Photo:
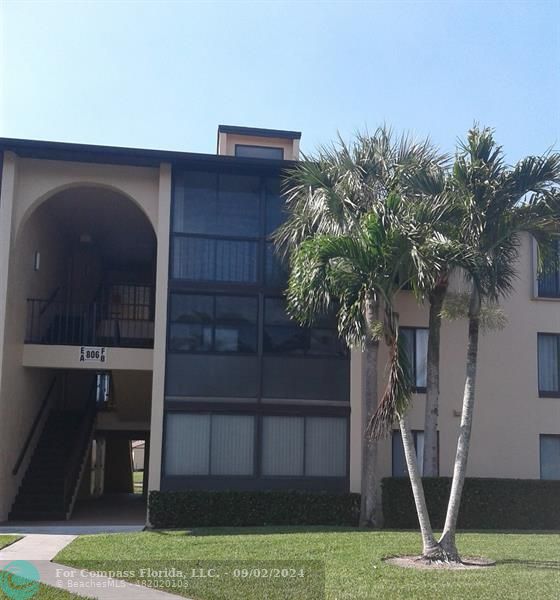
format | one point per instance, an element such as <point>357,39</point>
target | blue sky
<point>165,74</point>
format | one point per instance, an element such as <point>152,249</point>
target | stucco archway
<point>76,187</point>
<point>83,273</point>
<point>76,246</point>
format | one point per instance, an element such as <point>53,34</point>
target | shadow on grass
<point>267,530</point>
<point>484,531</point>
<point>513,531</point>
<point>287,529</point>
<point>547,565</point>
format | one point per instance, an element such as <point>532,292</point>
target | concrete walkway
<point>64,528</point>
<point>40,549</point>
<point>36,547</point>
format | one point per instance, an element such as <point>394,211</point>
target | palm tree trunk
<point>369,506</point>
<point>369,516</point>
<point>430,547</point>
<point>430,458</point>
<point>447,540</point>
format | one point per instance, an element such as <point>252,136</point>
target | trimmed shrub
<point>236,509</point>
<point>486,503</point>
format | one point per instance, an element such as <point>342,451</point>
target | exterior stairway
<point>49,487</point>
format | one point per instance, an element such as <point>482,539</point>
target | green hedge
<point>233,509</point>
<point>486,503</point>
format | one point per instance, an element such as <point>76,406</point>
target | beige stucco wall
<point>68,357</point>
<point>22,390</point>
<point>133,395</point>
<point>26,184</point>
<point>227,142</point>
<point>509,415</point>
<point>38,180</point>
<point>160,336</point>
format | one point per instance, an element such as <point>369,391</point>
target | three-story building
<point>141,299</point>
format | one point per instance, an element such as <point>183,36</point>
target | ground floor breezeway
<point>82,453</point>
<point>107,514</point>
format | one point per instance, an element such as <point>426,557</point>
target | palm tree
<point>368,265</point>
<point>430,186</point>
<point>498,203</point>
<point>328,194</point>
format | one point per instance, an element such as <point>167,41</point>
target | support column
<point>7,193</point>
<point>160,327</point>
<point>6,216</point>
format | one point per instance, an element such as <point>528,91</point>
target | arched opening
<point>83,275</point>
<point>92,270</point>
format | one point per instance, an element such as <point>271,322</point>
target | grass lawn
<point>6,540</point>
<point>49,593</point>
<point>138,479</point>
<point>528,563</point>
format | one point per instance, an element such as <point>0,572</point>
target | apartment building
<point>141,299</point>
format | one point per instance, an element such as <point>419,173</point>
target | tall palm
<point>328,194</point>
<point>498,203</point>
<point>372,263</point>
<point>432,185</point>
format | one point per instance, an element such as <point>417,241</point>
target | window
<point>204,259</point>
<point>204,444</point>
<point>284,336</point>
<point>282,452</point>
<point>221,205</point>
<point>216,222</point>
<point>399,460</point>
<point>211,444</point>
<point>548,282</point>
<point>548,364</point>
<point>276,273</point>
<point>247,151</point>
<point>416,344</point>
<point>325,447</point>
<point>275,208</point>
<point>550,456</point>
<point>275,270</point>
<point>304,446</point>
<point>204,323</point>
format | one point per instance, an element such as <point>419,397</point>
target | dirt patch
<point>418,562</point>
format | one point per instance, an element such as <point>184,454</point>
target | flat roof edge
<point>74,152</point>
<point>259,132</point>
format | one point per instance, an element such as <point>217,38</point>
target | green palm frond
<point>398,391</point>
<point>367,218</point>
<point>499,203</point>
<point>492,315</point>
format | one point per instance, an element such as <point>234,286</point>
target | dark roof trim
<point>127,156</point>
<point>257,132</point>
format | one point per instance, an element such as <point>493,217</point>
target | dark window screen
<point>248,151</point>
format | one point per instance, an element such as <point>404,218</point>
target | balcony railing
<point>93,324</point>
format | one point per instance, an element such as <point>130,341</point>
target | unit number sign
<point>93,353</point>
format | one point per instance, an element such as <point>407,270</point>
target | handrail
<point>75,460</point>
<point>89,324</point>
<point>33,428</point>
<point>49,301</point>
